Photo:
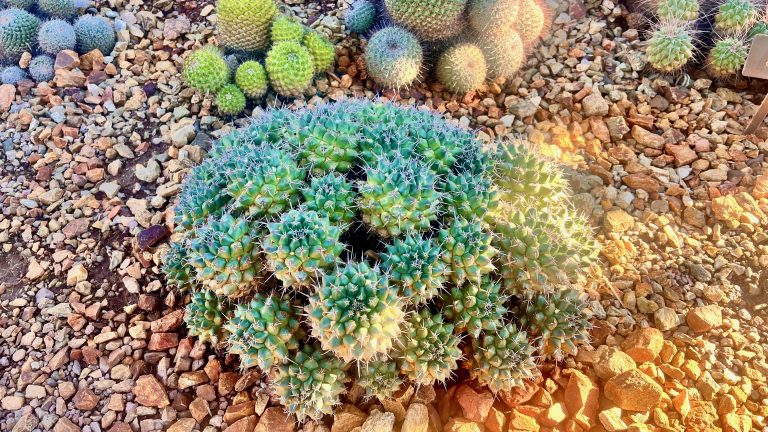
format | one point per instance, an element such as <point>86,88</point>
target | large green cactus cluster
<point>478,39</point>
<point>261,48</point>
<point>363,240</point>
<point>676,37</point>
<point>43,28</point>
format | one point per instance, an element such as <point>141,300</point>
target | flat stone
<point>644,344</point>
<point>85,399</point>
<point>347,417</point>
<point>163,341</point>
<point>647,138</point>
<point>148,391</point>
<point>705,318</point>
<point>642,181</point>
<point>238,411</point>
<point>12,403</point>
<point>611,420</point>
<point>519,422</point>
<point>475,406</point>
<point>379,422</point>
<point>610,361</point>
<point>633,391</point>
<point>183,425</point>
<point>169,322</point>
<point>416,418</point>
<point>247,424</point>
<point>151,236</point>
<point>199,409</point>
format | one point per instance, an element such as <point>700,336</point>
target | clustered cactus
<point>260,48</point>
<point>44,28</point>
<point>675,38</point>
<point>367,241</point>
<point>478,39</point>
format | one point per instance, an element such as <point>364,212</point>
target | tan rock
<point>611,420</point>
<point>247,424</point>
<point>459,424</point>
<point>644,344</point>
<point>705,318</point>
<point>618,221</point>
<point>69,78</point>
<point>85,399</point>
<point>275,419</point>
<point>199,409</point>
<point>760,190</point>
<point>610,361</point>
<point>7,95</point>
<point>642,181</point>
<point>495,421</point>
<point>239,410</point>
<point>647,138</point>
<point>733,422</point>
<point>519,422</point>
<point>379,422</point>
<point>633,391</point>
<point>65,425</point>
<point>191,379</point>
<point>554,415</point>
<point>682,404</point>
<point>148,391</point>
<point>726,208</point>
<point>183,425</point>
<point>416,418</point>
<point>582,398</point>
<point>347,417</point>
<point>474,405</point>
<point>67,59</point>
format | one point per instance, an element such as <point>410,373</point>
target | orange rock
<point>275,419</point>
<point>495,421</point>
<point>148,391</point>
<point>519,422</point>
<point>459,424</point>
<point>644,344</point>
<point>474,405</point>
<point>554,415</point>
<point>247,424</point>
<point>582,396</point>
<point>633,391</point>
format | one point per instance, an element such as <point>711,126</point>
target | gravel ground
<point>91,339</point>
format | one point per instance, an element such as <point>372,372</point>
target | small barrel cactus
<point>264,331</point>
<point>244,24</point>
<point>558,318</point>
<point>94,32</point>
<point>20,4</point>
<point>494,19</point>
<point>380,379</point>
<point>735,16</point>
<point>532,21</point>
<point>360,17</point>
<point>56,35</point>
<point>670,46</point>
<point>230,100</point>
<point>394,57</point>
<point>18,32</point>
<point>321,49</point>
<point>325,144</point>
<point>503,56</point>
<point>678,9</point>
<point>727,57</point>
<point>300,246</point>
<point>398,196</point>
<point>462,68</point>
<point>251,78</point>
<point>476,306</point>
<point>63,9</point>
<point>285,28</point>
<point>503,359</point>
<point>414,266</point>
<point>310,385</point>
<point>290,68</point>
<point>206,70</point>
<point>205,315</point>
<point>331,196</point>
<point>355,313</point>
<point>466,250</point>
<point>428,351</point>
<point>178,271</point>
<point>429,19</point>
<point>226,256</point>
<point>41,68</point>
<point>12,75</point>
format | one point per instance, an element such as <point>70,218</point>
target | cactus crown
<point>678,9</point>
<point>670,46</point>
<point>394,57</point>
<point>360,17</point>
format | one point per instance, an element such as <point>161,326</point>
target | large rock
<point>85,399</point>
<point>594,105</point>
<point>633,391</point>
<point>347,417</point>
<point>474,405</point>
<point>618,221</point>
<point>247,424</point>
<point>459,424</point>
<point>275,419</point>
<point>148,391</point>
<point>610,362</point>
<point>379,422</point>
<point>647,138</point>
<point>705,318</point>
<point>416,418</point>
<point>582,399</point>
<point>644,344</point>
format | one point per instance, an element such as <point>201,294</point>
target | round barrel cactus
<point>394,57</point>
<point>429,19</point>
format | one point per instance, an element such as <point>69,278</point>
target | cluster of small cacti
<point>363,240</point>
<point>475,39</point>
<point>44,28</point>
<point>291,55</point>
<point>678,35</point>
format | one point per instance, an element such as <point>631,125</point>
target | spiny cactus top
<point>429,19</point>
<point>378,241</point>
<point>244,24</point>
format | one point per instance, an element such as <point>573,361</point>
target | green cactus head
<point>251,78</point>
<point>461,68</point>
<point>301,246</point>
<point>56,35</point>
<point>321,49</point>
<point>176,267</point>
<point>244,24</point>
<point>63,9</point>
<point>202,194</point>
<point>428,19</point>
<point>414,266</point>
<point>360,16</point>
<point>559,319</point>
<point>205,316</point>
<point>230,100</point>
<point>735,16</point>
<point>394,57</point>
<point>670,46</point>
<point>94,32</point>
<point>476,306</point>
<point>285,28</point>
<point>503,359</point>
<point>206,70</point>
<point>309,385</point>
<point>380,379</point>
<point>494,19</point>
<point>355,313</point>
<point>727,57</point>
<point>525,178</point>
<point>469,195</point>
<point>18,32</point>
<point>428,351</point>
<point>687,10</point>
<point>290,68</point>
<point>467,250</point>
<point>264,331</point>
<point>331,196</point>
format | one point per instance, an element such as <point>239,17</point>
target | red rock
<point>65,425</point>
<point>199,409</point>
<point>148,302</point>
<point>495,421</point>
<point>75,227</point>
<point>227,382</point>
<point>705,318</point>
<point>67,59</point>
<point>582,399</point>
<point>120,427</point>
<point>644,344</point>
<point>182,425</point>
<point>247,424</point>
<point>69,78</point>
<point>682,153</point>
<point>239,411</point>
<point>275,419</point>
<point>169,322</point>
<point>91,355</point>
<point>163,341</point>
<point>213,370</point>
<point>85,399</point>
<point>148,391</point>
<point>7,95</point>
<point>191,379</point>
<point>519,396</point>
<point>458,424</point>
<point>647,138</point>
<point>642,181</point>
<point>475,406</point>
<point>149,237</point>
